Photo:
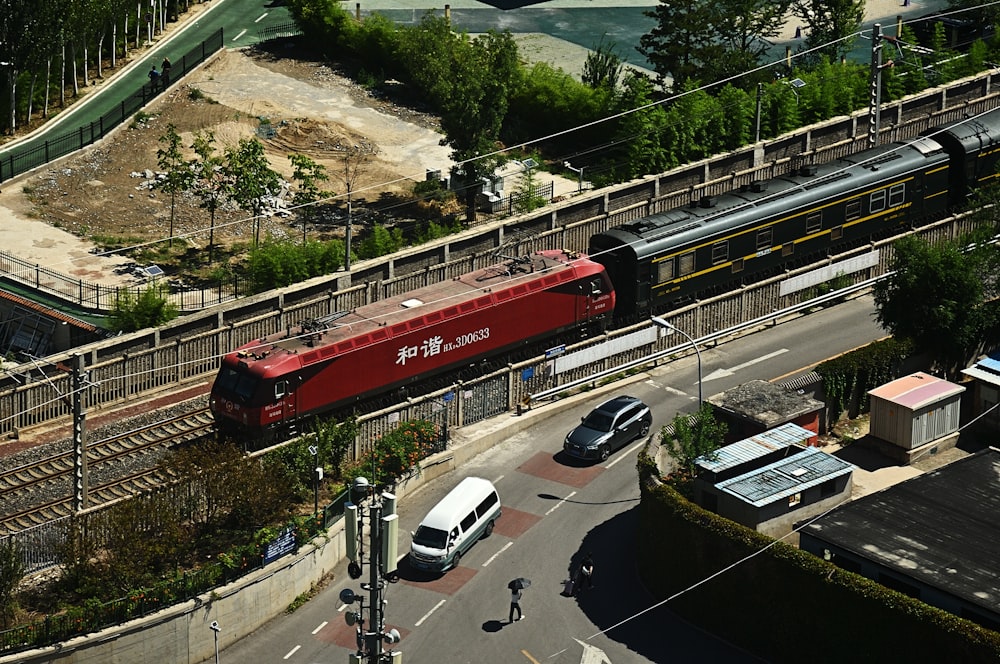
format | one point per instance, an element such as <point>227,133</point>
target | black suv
<point>608,427</point>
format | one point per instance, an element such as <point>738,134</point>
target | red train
<point>270,384</point>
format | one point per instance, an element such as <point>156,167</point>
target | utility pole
<point>875,86</point>
<point>383,524</point>
<point>80,475</point>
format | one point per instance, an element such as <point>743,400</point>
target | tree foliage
<point>935,295</point>
<point>830,25</point>
<point>693,436</point>
<point>138,311</point>
<point>250,180</point>
<point>179,175</point>
<point>279,263</point>
<point>12,571</point>
<point>210,180</point>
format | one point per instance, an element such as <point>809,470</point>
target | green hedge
<point>784,604</point>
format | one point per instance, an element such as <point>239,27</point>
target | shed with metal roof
<point>915,410</point>
<point>773,498</point>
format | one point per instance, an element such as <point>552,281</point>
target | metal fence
<point>23,160</point>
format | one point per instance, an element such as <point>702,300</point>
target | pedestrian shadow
<point>493,626</point>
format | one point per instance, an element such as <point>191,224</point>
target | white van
<point>462,517</point>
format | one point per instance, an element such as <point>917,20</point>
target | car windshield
<point>598,420</point>
<point>430,537</point>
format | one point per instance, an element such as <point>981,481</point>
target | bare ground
<point>103,191</point>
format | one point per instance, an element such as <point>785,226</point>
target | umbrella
<point>520,583</point>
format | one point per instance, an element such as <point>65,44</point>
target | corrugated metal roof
<point>985,376</point>
<point>748,449</point>
<point>786,477</point>
<point>917,390</point>
<point>991,363</point>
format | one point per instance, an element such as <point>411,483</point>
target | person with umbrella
<point>516,587</point>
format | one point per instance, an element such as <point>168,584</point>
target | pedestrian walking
<point>516,587</point>
<point>585,577</point>
<point>154,78</point>
<point>165,71</point>
<point>515,604</point>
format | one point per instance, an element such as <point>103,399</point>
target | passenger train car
<point>270,384</point>
<point>719,243</point>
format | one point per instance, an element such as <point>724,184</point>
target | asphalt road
<point>556,510</point>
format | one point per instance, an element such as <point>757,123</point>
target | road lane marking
<point>556,506</point>
<point>722,373</point>
<point>625,455</point>
<point>321,626</point>
<point>428,614</point>
<point>497,480</point>
<point>342,607</point>
<point>494,556</point>
<point>239,35</point>
<point>291,652</point>
<point>261,17</point>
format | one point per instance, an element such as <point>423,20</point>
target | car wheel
<point>644,428</point>
<point>489,529</point>
<point>605,452</point>
<point>456,561</point>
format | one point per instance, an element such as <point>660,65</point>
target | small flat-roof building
<point>771,499</point>
<point>915,412</point>
<point>756,406</point>
<point>935,537</point>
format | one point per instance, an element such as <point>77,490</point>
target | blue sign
<point>448,396</point>
<point>285,543</point>
<point>553,352</point>
<point>526,374</point>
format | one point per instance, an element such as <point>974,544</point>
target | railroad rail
<point>120,465</point>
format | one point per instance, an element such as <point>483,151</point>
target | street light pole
<point>579,173</point>
<point>660,322</point>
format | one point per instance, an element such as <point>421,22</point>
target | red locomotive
<point>271,383</point>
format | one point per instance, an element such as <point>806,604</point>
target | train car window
<point>877,201</point>
<point>814,222</point>
<point>788,249</point>
<point>897,194</point>
<point>665,270</point>
<point>738,265</point>
<point>280,389</point>
<point>853,210</point>
<point>595,288</point>
<point>686,263</point>
<point>764,239</point>
<point>720,252</point>
<point>837,233</point>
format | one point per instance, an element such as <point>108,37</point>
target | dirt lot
<point>104,191</point>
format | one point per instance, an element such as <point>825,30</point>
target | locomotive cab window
<point>665,270</point>
<point>853,210</point>
<point>280,389</point>
<point>596,288</point>
<point>720,252</point>
<point>814,222</point>
<point>876,203</point>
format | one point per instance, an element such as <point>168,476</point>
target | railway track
<point>118,466</point>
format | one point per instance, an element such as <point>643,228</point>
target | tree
<point>694,436</point>
<point>308,174</point>
<point>830,25</point>
<point>150,308</point>
<point>12,570</point>
<point>210,180</point>
<point>180,177</point>
<point>356,159</point>
<point>709,40</point>
<point>935,296</point>
<point>641,134</point>
<point>603,66</point>
<point>250,179</point>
